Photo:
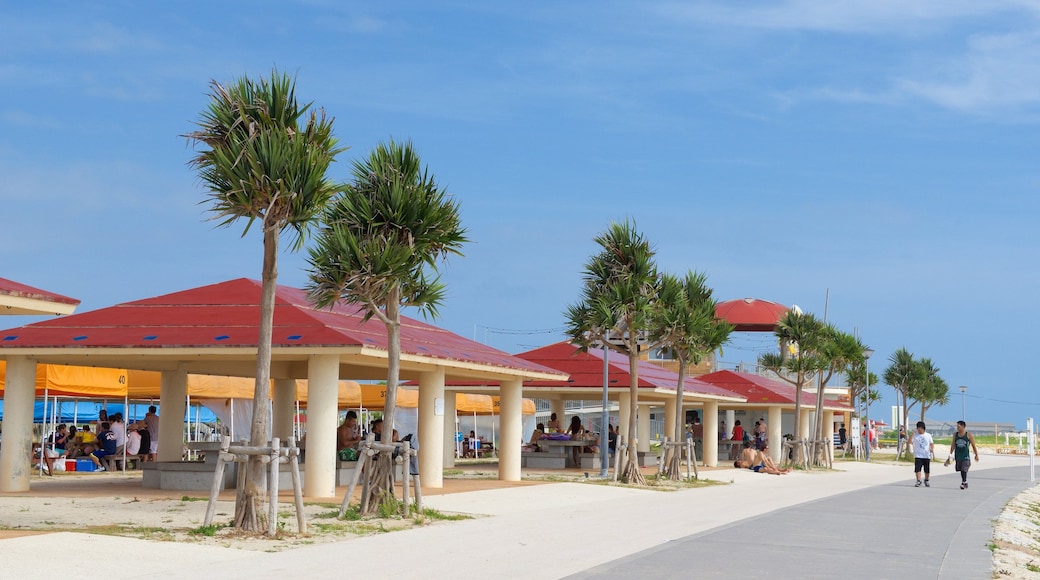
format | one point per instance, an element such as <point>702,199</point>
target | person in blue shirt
<point>106,445</point>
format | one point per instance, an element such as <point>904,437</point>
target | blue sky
<point>885,153</point>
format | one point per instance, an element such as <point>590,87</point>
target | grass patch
<point>208,530</point>
<point>433,514</point>
<point>189,498</point>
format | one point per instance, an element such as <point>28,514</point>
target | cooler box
<point>84,465</point>
<point>70,465</point>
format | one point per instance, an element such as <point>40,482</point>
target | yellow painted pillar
<point>449,429</point>
<point>19,399</point>
<point>322,417</point>
<point>710,420</point>
<point>431,427</point>
<point>173,391</point>
<point>283,401</point>
<point>511,396</point>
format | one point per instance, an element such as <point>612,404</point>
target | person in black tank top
<point>959,452</point>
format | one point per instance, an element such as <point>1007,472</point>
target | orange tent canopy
<point>76,381</point>
<point>62,380</point>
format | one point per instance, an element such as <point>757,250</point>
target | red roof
<point>228,314</point>
<point>12,288</point>
<point>586,371</point>
<point>750,314</point>
<point>759,389</point>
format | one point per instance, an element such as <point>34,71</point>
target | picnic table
<point>564,446</point>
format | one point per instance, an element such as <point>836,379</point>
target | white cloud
<point>998,72</point>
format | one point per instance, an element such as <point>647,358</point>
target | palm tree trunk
<point>381,484</point>
<point>631,473</point>
<point>797,415</point>
<point>672,467</point>
<point>249,508</point>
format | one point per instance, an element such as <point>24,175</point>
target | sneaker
<point>964,485</point>
<point>102,468</point>
<point>926,484</point>
<point>918,484</point>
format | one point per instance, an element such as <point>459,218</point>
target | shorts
<point>922,462</point>
<point>962,465</point>
<point>758,468</point>
<point>100,453</point>
<point>153,447</point>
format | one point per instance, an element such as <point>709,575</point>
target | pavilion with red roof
<point>751,314</point>
<point>213,330</point>
<point>585,383</point>
<point>19,299</point>
<point>772,397</point>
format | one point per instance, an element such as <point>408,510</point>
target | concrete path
<point>888,531</point>
<point>552,531</point>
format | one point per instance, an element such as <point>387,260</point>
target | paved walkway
<point>556,530</point>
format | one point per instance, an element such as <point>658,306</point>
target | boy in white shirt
<point>924,448</point>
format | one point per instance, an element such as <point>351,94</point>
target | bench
<point>589,460</point>
<point>545,460</point>
<point>115,462</point>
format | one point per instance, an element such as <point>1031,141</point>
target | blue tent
<point>87,411</point>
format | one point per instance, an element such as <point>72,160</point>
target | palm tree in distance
<point>616,308</point>
<point>264,159</point>
<point>379,242</point>
<point>804,335</point>
<point>686,321</point>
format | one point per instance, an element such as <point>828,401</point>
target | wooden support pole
<point>272,488</point>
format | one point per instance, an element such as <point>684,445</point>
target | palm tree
<point>616,308</point>
<point>929,389</point>
<point>686,321</point>
<point>378,245</point>
<point>804,334</point>
<point>902,372</point>
<point>839,352</point>
<point>265,159</point>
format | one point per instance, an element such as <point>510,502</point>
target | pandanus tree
<point>379,246</point>
<point>264,158</point>
<point>839,353</point>
<point>619,293</point>
<point>801,336</point>
<point>686,323</point>
<point>902,373</point>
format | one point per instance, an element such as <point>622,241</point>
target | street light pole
<point>963,389</point>
<point>866,371</point>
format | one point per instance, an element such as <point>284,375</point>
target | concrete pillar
<point>776,432</point>
<point>431,427</point>
<point>806,423</point>
<point>710,420</point>
<point>731,416</point>
<point>283,400</point>
<point>19,399</point>
<point>512,406</point>
<point>624,415</point>
<point>643,428</point>
<point>559,406</point>
<point>669,419</point>
<point>322,416</point>
<point>173,391</point>
<point>449,429</point>
<point>828,425</point>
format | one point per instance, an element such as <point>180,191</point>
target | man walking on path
<point>924,448</point>
<point>959,452</point>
